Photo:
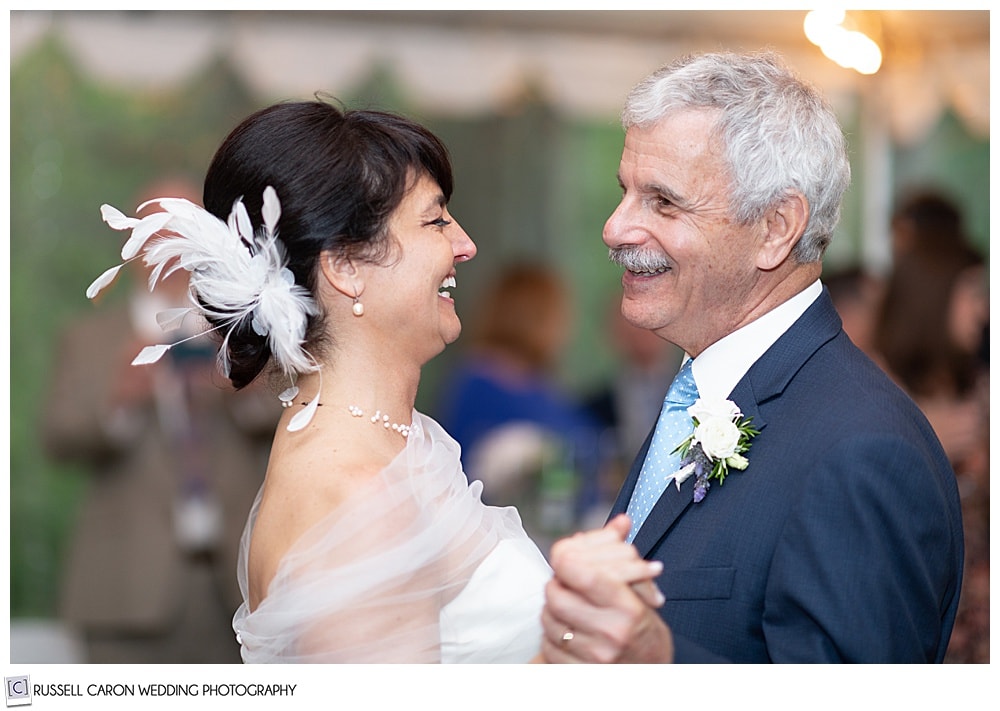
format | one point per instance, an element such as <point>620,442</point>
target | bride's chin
<point>450,334</point>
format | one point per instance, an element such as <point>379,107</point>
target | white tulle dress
<point>412,569</point>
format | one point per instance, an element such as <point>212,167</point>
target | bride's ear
<point>341,273</point>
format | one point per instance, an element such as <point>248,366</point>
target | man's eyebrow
<point>656,189</point>
<point>665,192</point>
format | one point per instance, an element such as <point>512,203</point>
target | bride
<point>324,259</point>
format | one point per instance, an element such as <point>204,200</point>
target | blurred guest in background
<point>929,333</point>
<point>628,403</point>
<point>151,571</point>
<point>523,434</point>
<point>929,337</point>
<point>931,223</point>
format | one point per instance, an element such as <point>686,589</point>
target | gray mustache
<point>635,259</point>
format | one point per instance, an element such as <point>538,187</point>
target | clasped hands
<point>601,603</point>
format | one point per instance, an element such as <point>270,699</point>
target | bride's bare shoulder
<point>303,485</point>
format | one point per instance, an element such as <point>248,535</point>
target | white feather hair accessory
<point>235,274</point>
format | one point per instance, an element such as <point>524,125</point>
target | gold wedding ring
<point>567,636</point>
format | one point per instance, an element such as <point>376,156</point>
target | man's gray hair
<point>777,132</point>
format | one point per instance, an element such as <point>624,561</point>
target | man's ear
<point>341,273</point>
<point>785,224</point>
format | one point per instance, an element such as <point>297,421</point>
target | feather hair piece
<point>237,275</point>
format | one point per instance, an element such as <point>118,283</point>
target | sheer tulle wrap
<point>413,568</point>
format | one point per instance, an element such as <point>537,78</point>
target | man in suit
<point>176,460</point>
<point>841,540</point>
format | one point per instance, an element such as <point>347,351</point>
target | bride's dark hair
<point>339,175</point>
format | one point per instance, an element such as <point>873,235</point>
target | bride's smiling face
<point>420,276</point>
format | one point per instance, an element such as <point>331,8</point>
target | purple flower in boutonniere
<point>721,436</point>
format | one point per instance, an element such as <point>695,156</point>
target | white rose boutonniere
<point>721,436</point>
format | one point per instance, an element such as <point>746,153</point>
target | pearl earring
<point>358,308</point>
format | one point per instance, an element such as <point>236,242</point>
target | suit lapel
<point>766,379</point>
<point>671,504</point>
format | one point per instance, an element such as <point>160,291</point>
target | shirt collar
<point>722,365</point>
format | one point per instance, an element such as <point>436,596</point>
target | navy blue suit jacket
<point>841,541</point>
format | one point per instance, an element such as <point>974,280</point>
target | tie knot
<point>683,390</point>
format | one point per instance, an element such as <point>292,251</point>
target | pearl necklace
<point>288,399</point>
<point>381,419</point>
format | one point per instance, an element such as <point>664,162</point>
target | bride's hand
<point>601,602</point>
<point>603,553</point>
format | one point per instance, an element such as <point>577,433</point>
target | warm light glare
<point>819,25</point>
<point>865,55</point>
<point>848,48</point>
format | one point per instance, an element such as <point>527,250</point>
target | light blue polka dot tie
<point>672,428</point>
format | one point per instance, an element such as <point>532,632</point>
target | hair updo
<point>339,175</point>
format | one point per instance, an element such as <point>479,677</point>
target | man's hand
<point>601,602</point>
